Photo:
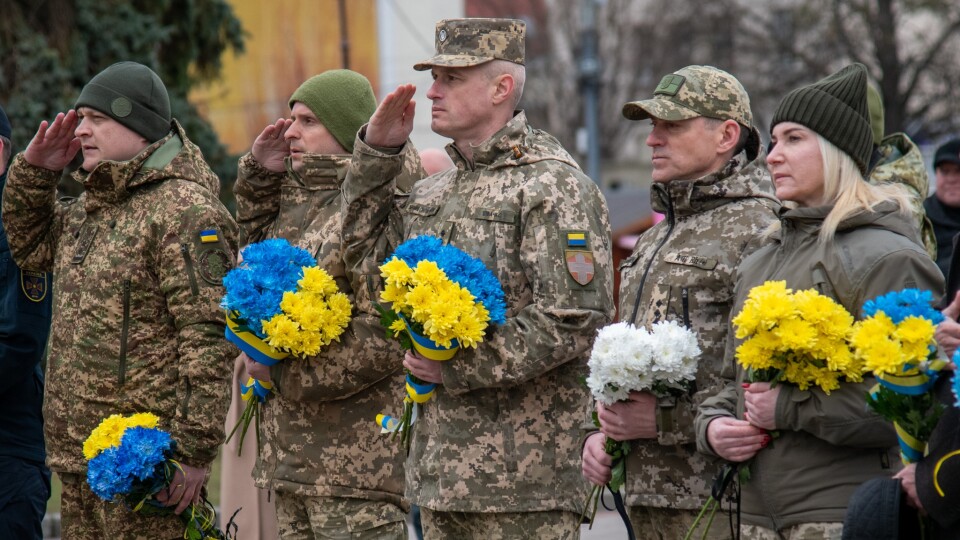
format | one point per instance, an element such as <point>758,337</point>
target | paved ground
<point>608,526</point>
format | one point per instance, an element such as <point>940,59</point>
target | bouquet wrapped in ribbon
<point>797,337</point>
<point>279,303</point>
<point>130,459</point>
<point>627,359</point>
<point>441,299</point>
<point>896,342</point>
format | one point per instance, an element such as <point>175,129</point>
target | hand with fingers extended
<point>736,440</point>
<point>392,122</point>
<point>630,419</point>
<point>185,488</point>
<point>54,145</point>
<point>596,463</point>
<point>271,147</point>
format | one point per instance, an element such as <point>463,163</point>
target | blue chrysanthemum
<point>255,287</point>
<point>906,303</point>
<point>139,457</point>
<point>463,269</point>
<point>956,384</point>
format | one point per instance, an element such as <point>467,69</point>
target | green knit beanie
<point>836,109</point>
<point>341,99</point>
<point>133,95</point>
<point>875,105</point>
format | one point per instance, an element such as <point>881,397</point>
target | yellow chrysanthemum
<point>110,431</point>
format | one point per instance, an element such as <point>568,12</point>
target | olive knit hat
<point>835,108</point>
<point>341,99</point>
<point>133,95</point>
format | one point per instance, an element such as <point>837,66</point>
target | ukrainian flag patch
<point>209,236</point>
<point>576,239</point>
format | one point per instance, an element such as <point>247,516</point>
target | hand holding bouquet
<point>441,299</point>
<point>131,460</point>
<point>896,343</point>
<point>279,303</point>
<point>627,359</point>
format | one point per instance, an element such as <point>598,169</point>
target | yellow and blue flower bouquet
<point>130,460</point>
<point>441,299</point>
<point>896,342</point>
<point>279,303</point>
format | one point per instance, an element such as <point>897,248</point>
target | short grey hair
<point>517,72</point>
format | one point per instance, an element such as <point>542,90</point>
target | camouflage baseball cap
<point>695,91</point>
<point>471,42</point>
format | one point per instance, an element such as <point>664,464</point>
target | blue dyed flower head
<point>906,303</point>
<point>463,269</point>
<point>956,379</point>
<point>255,287</point>
<point>138,458</point>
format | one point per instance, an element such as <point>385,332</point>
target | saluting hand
<point>392,122</point>
<point>54,145</point>
<point>271,147</point>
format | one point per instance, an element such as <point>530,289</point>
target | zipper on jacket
<point>685,301</point>
<point>124,330</point>
<point>185,406</point>
<point>185,250</point>
<point>670,224</point>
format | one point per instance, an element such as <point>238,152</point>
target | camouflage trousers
<point>671,524</point>
<point>803,531</point>
<point>85,516</point>
<point>554,524</point>
<point>302,518</point>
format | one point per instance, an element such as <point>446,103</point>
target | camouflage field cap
<point>471,42</point>
<point>695,91</point>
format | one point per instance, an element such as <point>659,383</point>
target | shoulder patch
<point>580,265</point>
<point>209,236</point>
<point>213,265</point>
<point>34,285</point>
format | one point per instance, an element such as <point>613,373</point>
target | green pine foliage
<point>50,49</point>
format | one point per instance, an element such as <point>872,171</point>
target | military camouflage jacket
<point>320,433</point>
<point>502,432</point>
<point>828,444</point>
<point>684,269</point>
<point>136,319</point>
<point>901,163</point>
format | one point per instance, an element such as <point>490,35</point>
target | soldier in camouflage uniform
<point>333,473</point>
<point>136,324</point>
<point>711,182</point>
<point>896,159</point>
<point>494,453</point>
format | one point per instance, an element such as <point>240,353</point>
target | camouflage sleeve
<point>190,271</point>
<point>376,185</point>
<point>559,323</point>
<point>724,403</point>
<point>257,191</point>
<point>362,358</point>
<point>32,215</point>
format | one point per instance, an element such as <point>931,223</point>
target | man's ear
<point>503,89</point>
<point>730,136</point>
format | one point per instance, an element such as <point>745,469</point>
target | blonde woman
<point>851,241</point>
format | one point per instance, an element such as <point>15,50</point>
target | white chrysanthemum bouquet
<point>628,359</point>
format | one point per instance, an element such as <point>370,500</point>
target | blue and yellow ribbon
<point>428,348</point>
<point>253,345</point>
<point>255,387</point>
<point>419,392</point>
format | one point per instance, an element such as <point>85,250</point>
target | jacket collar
<point>515,144</point>
<point>320,171</point>
<point>739,178</point>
